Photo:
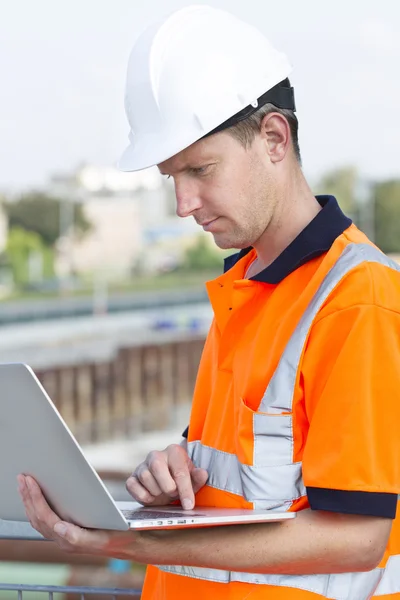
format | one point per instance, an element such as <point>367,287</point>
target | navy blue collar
<point>314,240</point>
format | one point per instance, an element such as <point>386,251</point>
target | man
<point>296,405</point>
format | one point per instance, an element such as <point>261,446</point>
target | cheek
<point>217,196</point>
<point>234,194</point>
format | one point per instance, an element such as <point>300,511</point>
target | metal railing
<point>18,591</point>
<point>81,592</point>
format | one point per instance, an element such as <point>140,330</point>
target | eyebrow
<point>190,166</point>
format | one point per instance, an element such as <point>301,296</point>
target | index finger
<point>180,467</point>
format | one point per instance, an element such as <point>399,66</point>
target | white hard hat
<point>191,72</point>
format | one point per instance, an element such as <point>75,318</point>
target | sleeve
<point>351,382</point>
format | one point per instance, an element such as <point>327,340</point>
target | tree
<point>201,256</point>
<point>40,213</point>
<point>374,207</point>
<point>341,183</point>
<point>29,258</point>
<point>386,198</point>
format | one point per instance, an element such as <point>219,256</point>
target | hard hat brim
<point>152,151</point>
<point>130,160</point>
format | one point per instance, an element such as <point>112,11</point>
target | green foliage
<point>24,247</point>
<point>378,214</point>
<point>341,183</point>
<point>386,196</point>
<point>4,268</point>
<point>40,213</point>
<point>202,256</point>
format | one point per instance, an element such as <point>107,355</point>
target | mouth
<point>207,225</point>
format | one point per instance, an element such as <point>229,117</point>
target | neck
<point>296,207</point>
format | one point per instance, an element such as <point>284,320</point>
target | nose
<point>187,198</point>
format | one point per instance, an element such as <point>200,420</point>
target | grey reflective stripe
<point>272,439</point>
<point>390,582</point>
<point>279,394</point>
<point>272,484</point>
<point>272,444</point>
<point>343,586</point>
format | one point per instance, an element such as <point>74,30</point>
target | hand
<point>165,476</point>
<point>69,537</point>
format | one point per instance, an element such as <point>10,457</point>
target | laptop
<point>35,440</point>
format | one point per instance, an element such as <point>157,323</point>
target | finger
<point>149,482</point>
<point>137,491</point>
<point>42,511</point>
<point>180,467</point>
<point>40,515</point>
<point>160,469</point>
<point>25,496</point>
<point>50,525</point>
<point>199,479</point>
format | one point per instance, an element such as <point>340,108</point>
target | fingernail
<point>60,529</point>
<point>187,504</point>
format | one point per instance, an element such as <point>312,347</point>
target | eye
<point>200,170</point>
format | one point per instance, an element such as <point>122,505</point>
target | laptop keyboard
<point>156,514</point>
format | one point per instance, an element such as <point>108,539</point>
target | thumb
<point>199,478</point>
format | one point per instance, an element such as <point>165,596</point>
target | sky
<point>63,65</point>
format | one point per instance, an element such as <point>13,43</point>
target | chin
<point>222,243</point>
<point>228,244</point>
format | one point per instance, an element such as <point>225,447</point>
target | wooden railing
<point>140,390</point>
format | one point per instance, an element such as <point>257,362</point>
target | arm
<point>313,542</point>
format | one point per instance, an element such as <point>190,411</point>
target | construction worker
<point>296,404</point>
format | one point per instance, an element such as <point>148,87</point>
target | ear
<point>275,132</point>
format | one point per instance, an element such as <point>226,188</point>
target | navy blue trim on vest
<point>374,504</point>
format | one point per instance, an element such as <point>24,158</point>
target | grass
<point>173,280</point>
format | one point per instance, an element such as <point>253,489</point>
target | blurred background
<point>101,284</point>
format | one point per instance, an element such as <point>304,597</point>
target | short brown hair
<point>245,131</point>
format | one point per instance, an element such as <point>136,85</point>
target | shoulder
<point>368,278</point>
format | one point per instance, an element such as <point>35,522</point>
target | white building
<point>113,241</point>
<point>134,225</point>
<point>91,181</point>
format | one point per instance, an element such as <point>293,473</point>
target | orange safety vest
<point>298,389</point>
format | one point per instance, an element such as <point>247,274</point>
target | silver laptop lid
<point>35,440</point>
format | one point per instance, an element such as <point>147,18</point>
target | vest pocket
<point>265,439</point>
<point>270,478</point>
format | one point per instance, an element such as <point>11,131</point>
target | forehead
<point>211,148</point>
